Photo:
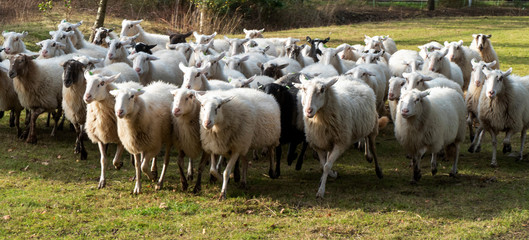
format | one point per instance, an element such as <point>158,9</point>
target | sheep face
<point>412,65</point>
<point>130,28</point>
<point>236,62</point>
<point>203,39</point>
<point>273,70</point>
<point>293,51</point>
<point>67,26</point>
<point>193,76</point>
<point>373,43</point>
<point>211,109</point>
<point>96,86</point>
<point>434,60</point>
<point>102,35</point>
<point>481,41</point>
<point>61,36</point>
<point>184,48</point>
<point>455,52</point>
<point>280,93</point>
<point>184,101</point>
<point>241,83</point>
<point>313,94</point>
<point>179,37</point>
<point>142,47</point>
<point>330,55</point>
<point>495,81</point>
<point>396,84</point>
<point>214,62</point>
<point>140,62</point>
<point>236,45</point>
<point>477,71</point>
<point>19,65</point>
<point>126,100</point>
<point>116,49</point>
<point>314,46</point>
<point>361,73</point>
<point>410,103</point>
<point>415,80</point>
<point>13,42</point>
<point>254,33</point>
<point>370,57</point>
<point>71,72</point>
<point>50,48</point>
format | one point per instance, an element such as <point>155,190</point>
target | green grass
<point>48,193</point>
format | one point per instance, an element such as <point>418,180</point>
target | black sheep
<point>314,51</point>
<point>287,100</point>
<point>142,47</point>
<point>179,37</point>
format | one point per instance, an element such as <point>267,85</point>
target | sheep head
<point>396,84</point>
<point>434,60</point>
<point>211,108</point>
<point>477,71</point>
<point>50,48</point>
<point>183,101</point>
<point>455,52</point>
<point>140,62</point>
<point>313,93</point>
<point>410,103</point>
<point>97,86</point>
<point>126,100</point>
<point>13,43</point>
<point>72,72</point>
<point>179,37</point>
<point>272,69</point>
<point>254,33</point>
<point>19,65</point>
<point>415,80</point>
<point>495,80</point>
<point>130,28</point>
<point>193,76</point>
<point>481,40</point>
<point>102,35</point>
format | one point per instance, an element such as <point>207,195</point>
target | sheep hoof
<point>76,150</point>
<point>319,195</point>
<point>417,175</point>
<point>158,186</point>
<point>369,158</point>
<point>271,174</point>
<point>189,177</point>
<point>452,174</point>
<point>154,175</point>
<point>197,189</point>
<point>1,114</point>
<point>24,135</point>
<point>118,165</point>
<point>471,138</point>
<point>494,164</point>
<point>31,140</point>
<point>290,158</point>
<point>298,166</point>
<point>102,184</point>
<point>333,174</point>
<point>84,155</point>
<point>212,178</point>
<point>136,192</point>
<point>507,148</point>
<point>379,172</point>
<point>471,149</point>
<point>184,186</point>
<point>478,149</point>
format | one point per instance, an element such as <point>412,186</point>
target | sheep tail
<point>383,122</point>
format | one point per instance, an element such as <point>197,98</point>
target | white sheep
<point>404,61</point>
<point>338,113</point>
<point>253,82</point>
<point>319,69</point>
<point>294,52</point>
<point>429,47</point>
<point>145,124</point>
<point>131,28</point>
<point>462,56</point>
<point>101,121</point>
<point>236,45</point>
<point>186,114</point>
<point>9,98</point>
<point>248,63</point>
<point>103,36</point>
<point>379,43</point>
<point>477,80</point>
<point>218,69</point>
<point>13,44</point>
<point>235,121</point>
<point>184,48</point>
<point>77,38</point>
<point>351,53</point>
<point>117,51</point>
<point>417,80</point>
<point>152,68</point>
<point>195,79</point>
<point>431,121</point>
<point>219,45</point>
<point>371,56</point>
<point>376,79</point>
<point>330,56</point>
<point>504,107</point>
<point>200,50</point>
<point>86,47</point>
<point>39,88</point>
<point>481,43</point>
<point>50,48</point>
<point>396,86</point>
<point>437,61</point>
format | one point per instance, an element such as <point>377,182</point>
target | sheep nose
<point>207,123</point>
<point>491,93</point>
<point>45,52</point>
<point>88,96</point>
<point>120,112</point>
<point>188,86</point>
<point>176,111</point>
<point>110,56</point>
<point>7,50</point>
<point>310,110</point>
<point>391,95</point>
<point>405,110</point>
<point>137,70</point>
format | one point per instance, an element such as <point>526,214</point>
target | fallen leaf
<point>11,172</point>
<point>203,231</point>
<point>9,150</point>
<point>223,215</point>
<point>6,217</point>
<point>329,214</point>
<point>163,206</point>
<point>25,169</point>
<point>249,211</point>
<point>59,156</point>
<point>282,210</point>
<point>45,163</point>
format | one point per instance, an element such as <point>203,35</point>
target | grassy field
<point>45,192</point>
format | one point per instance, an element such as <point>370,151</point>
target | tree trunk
<point>100,19</point>
<point>431,5</point>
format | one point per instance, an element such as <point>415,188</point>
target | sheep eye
<point>402,84</point>
<point>102,84</point>
<point>131,97</point>
<point>198,75</point>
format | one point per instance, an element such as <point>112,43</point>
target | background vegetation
<point>45,192</point>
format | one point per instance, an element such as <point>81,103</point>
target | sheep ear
<point>488,36</point>
<point>266,48</point>
<point>24,34</point>
<point>251,79</point>
<point>220,56</point>
<point>339,49</point>
<point>491,64</point>
<point>297,85</point>
<point>261,31</point>
<point>486,71</point>
<point>282,66</point>
<point>114,93</point>
<point>260,65</point>
<point>152,58</point>
<point>447,44</point>
<point>60,45</point>
<point>39,43</point>
<point>52,33</point>
<point>213,35</point>
<point>3,68</point>
<point>259,85</point>
<point>199,96</point>
<point>427,78</point>
<point>110,30</point>
<point>443,52</point>
<point>245,40</point>
<point>326,40</point>
<point>460,43</point>
<point>505,74</point>
<point>174,92</point>
<point>151,46</point>
<point>136,22</point>
<point>62,63</point>
<point>205,68</point>
<point>424,94</point>
<point>474,62</point>
<point>331,82</point>
<point>245,31</point>
<point>4,33</point>
<point>245,58</point>
<point>183,67</point>
<point>406,75</point>
<point>302,78</point>
<point>474,36</point>
<point>112,78</point>
<point>308,39</point>
<point>139,92</point>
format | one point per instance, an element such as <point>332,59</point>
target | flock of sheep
<point>224,97</point>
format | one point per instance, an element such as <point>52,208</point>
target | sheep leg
<point>102,151</point>
<point>201,166</point>
<point>48,120</point>
<point>166,157</point>
<point>180,162</point>
<point>226,175</point>
<point>117,158</point>
<point>28,117</point>
<point>373,150</point>
<point>1,114</point>
<point>137,166</point>
<point>237,172</point>
<point>271,154</point>
<point>154,168</point>
<point>213,169</point>
<point>299,163</point>
<point>475,147</point>
<point>493,162</point>
<point>61,124</point>
<point>32,138</point>
<point>84,154</point>
<point>327,167</point>
<point>453,152</point>
<point>507,142</point>
<point>271,173</point>
<point>11,118</point>
<point>470,124</point>
<point>291,154</point>
<point>146,159</point>
<point>434,164</point>
<point>367,153</point>
<point>57,117</point>
<point>244,161</point>
<point>522,142</point>
<point>17,122</point>
<point>77,148</point>
<point>190,169</point>
<point>416,168</point>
